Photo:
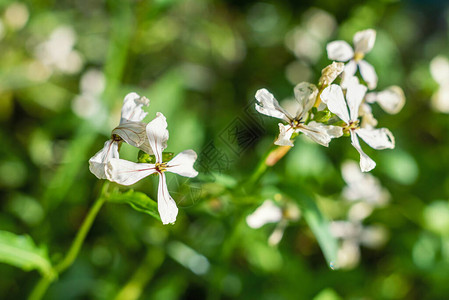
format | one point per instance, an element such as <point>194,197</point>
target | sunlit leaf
<point>318,223</point>
<point>20,251</point>
<point>139,201</point>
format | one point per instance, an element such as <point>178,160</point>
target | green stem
<point>43,284</point>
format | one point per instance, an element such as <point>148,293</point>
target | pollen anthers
<point>296,123</point>
<point>161,167</point>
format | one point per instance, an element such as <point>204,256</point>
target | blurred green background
<point>65,67</point>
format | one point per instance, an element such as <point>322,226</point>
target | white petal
<point>134,133</point>
<point>354,97</point>
<point>182,164</point>
<point>339,51</point>
<point>322,134</point>
<point>97,163</point>
<point>347,77</point>
<point>285,134</point>
<point>165,204</point>
<point>333,97</point>
<point>378,139</point>
<point>368,120</point>
<point>366,163</point>
<point>364,40</point>
<point>126,172</point>
<point>439,69</point>
<point>368,74</point>
<point>132,108</point>
<point>157,134</point>
<point>268,212</point>
<point>268,105</point>
<point>440,100</point>
<point>305,94</point>
<point>330,73</point>
<point>391,100</point>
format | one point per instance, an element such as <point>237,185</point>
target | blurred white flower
<point>126,172</point>
<point>342,51</point>
<point>439,69</point>
<point>352,235</point>
<point>305,96</point>
<point>362,186</point>
<point>392,99</point>
<point>376,138</point>
<point>58,53</point>
<point>131,130</point>
<point>16,15</point>
<point>87,104</point>
<point>269,212</point>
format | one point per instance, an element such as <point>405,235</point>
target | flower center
<point>116,138</point>
<point>296,123</point>
<point>161,167</point>
<point>353,125</point>
<point>358,56</point>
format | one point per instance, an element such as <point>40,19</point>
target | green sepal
<point>322,116</point>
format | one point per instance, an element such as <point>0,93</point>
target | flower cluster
<point>365,193</point>
<point>329,110</point>
<point>151,138</point>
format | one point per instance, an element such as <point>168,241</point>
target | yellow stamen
<point>358,56</point>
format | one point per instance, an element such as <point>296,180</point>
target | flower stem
<point>43,284</point>
<point>271,157</point>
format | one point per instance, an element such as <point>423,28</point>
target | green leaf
<point>139,201</point>
<point>20,251</point>
<point>317,222</point>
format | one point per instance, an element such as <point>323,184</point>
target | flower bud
<point>329,73</point>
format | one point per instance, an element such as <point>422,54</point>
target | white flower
<point>305,95</point>
<point>376,138</point>
<point>392,99</point>
<point>131,130</point>
<point>58,53</point>
<point>439,69</point>
<point>269,212</point>
<point>352,235</point>
<point>342,51</point>
<point>362,186</point>
<point>126,173</point>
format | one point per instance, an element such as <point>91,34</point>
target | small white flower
<point>376,138</point>
<point>342,51</point>
<point>392,99</point>
<point>352,235</point>
<point>58,53</point>
<point>439,69</point>
<point>305,95</point>
<point>362,186</point>
<point>269,212</point>
<point>126,172</point>
<point>131,130</point>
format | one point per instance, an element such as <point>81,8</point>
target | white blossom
<point>341,51</point>
<point>58,53</point>
<point>127,173</point>
<point>269,212</point>
<point>305,96</point>
<point>131,130</point>
<point>376,138</point>
<point>392,99</point>
<point>439,69</point>
<point>352,235</point>
<point>362,186</point>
